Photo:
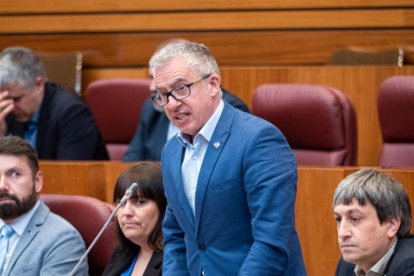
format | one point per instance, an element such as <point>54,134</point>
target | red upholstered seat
<point>87,215</point>
<point>396,116</point>
<point>318,121</point>
<point>116,106</point>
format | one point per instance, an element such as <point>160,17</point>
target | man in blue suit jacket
<point>229,177</point>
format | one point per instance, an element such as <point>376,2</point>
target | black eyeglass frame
<point>156,93</point>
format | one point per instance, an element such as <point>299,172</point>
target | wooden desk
<point>314,218</point>
<point>92,178</point>
<point>74,178</point>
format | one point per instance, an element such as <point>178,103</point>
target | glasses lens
<point>159,99</point>
<point>181,92</point>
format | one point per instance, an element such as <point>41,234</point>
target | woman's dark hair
<point>149,179</point>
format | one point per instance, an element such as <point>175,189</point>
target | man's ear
<point>38,181</point>
<point>40,81</point>
<point>214,84</point>
<point>393,226</point>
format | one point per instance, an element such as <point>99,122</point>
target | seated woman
<point>138,222</point>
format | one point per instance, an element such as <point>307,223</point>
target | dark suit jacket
<point>121,259</point>
<point>66,129</point>
<point>151,133</point>
<point>400,264</point>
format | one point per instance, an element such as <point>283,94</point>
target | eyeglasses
<point>180,92</point>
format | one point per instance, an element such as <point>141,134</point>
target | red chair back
<point>396,116</point>
<point>318,122</point>
<point>116,106</point>
<point>87,215</point>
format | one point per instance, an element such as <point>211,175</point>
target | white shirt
<point>194,154</point>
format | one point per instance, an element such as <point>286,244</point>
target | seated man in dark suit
<point>55,122</point>
<point>154,128</point>
<point>373,217</point>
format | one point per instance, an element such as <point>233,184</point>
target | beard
<point>17,207</point>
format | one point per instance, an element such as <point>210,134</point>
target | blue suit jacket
<point>151,133</point>
<point>244,208</point>
<point>48,246</point>
<point>400,264</point>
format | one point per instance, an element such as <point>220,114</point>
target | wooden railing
<point>314,217</point>
<point>90,6</point>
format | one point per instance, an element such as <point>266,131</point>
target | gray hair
<point>20,66</point>
<point>384,192</point>
<point>196,55</point>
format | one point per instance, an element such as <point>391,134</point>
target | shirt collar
<point>35,117</point>
<point>20,224</point>
<point>208,129</point>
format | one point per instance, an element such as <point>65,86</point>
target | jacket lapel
<point>179,186</point>
<point>215,147</point>
<point>29,233</point>
<point>44,118</point>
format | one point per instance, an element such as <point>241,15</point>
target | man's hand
<point>6,107</point>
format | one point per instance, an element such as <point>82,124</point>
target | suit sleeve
<point>270,178</point>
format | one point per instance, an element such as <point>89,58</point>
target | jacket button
<point>202,247</point>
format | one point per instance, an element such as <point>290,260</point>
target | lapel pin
<point>216,145</point>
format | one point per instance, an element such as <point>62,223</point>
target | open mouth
<point>182,116</point>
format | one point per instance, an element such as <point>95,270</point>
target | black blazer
<point>400,264</point>
<point>66,129</point>
<point>121,259</point>
<point>151,133</point>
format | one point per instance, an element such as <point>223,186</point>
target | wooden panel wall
<point>118,37</point>
<point>314,217</point>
